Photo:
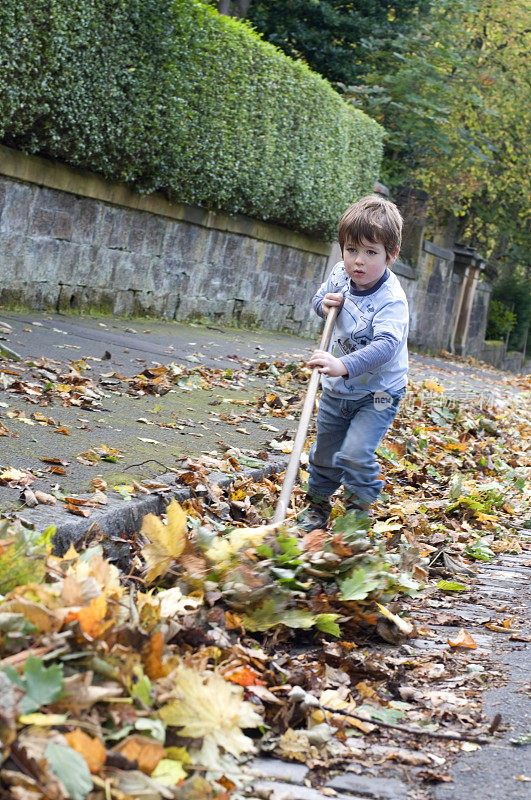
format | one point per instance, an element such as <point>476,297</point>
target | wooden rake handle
<point>306,414</point>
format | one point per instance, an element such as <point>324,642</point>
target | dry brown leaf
<point>92,749</point>
<point>463,639</point>
<point>72,592</point>
<point>145,751</point>
<point>232,621</point>
<point>43,618</point>
<point>80,694</point>
<point>44,498</point>
<point>294,745</point>
<point>194,564</point>
<point>314,540</point>
<point>152,657</point>
<point>81,512</point>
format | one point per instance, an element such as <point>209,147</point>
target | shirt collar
<point>364,292</point>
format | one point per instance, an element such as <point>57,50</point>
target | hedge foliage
<point>168,95</point>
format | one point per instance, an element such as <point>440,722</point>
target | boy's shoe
<point>315,514</point>
<point>353,504</point>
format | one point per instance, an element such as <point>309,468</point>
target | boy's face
<point>365,262</point>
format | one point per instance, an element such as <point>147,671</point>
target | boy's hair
<point>372,218</point>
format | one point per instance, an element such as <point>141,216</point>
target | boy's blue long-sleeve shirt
<point>369,336</point>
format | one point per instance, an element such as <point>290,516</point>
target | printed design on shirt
<point>359,327</point>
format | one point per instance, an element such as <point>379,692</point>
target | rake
<point>304,422</point>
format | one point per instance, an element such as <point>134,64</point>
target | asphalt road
<point>129,346</point>
<point>495,772</point>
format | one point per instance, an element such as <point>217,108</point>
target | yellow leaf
<point>43,618</point>
<point>92,618</point>
<point>463,639</point>
<point>403,625</point>
<point>433,386</point>
<point>70,554</point>
<point>168,772</point>
<point>391,524</point>
<point>173,602</point>
<point>481,517</point>
<point>166,542</point>
<point>332,699</point>
<point>223,549</point>
<point>12,474</point>
<point>43,720</point>
<point>210,708</point>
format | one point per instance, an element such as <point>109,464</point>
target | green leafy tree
<point>510,309</point>
<point>501,320</point>
<point>334,37</point>
<point>455,109</point>
<point>453,98</point>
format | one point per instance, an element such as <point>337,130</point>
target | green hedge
<point>171,96</point>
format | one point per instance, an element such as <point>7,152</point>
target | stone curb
<point>121,517</point>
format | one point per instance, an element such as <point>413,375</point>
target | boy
<point>365,369</point>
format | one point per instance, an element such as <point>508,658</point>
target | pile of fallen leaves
<point>112,686</point>
<point>226,635</point>
<point>49,381</point>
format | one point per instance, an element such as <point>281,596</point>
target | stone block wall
<point>66,251</point>
<point>69,240</point>
<point>478,319</point>
<point>432,291</point>
<point>493,353</point>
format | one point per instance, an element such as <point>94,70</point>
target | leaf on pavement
<point>44,498</point>
<point>78,510</point>
<point>16,477</point>
<point>463,639</point>
<point>433,386</point>
<point>452,586</point>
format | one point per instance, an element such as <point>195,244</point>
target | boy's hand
<point>331,299</point>
<point>327,363</point>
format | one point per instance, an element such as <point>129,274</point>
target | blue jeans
<point>348,433</point>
